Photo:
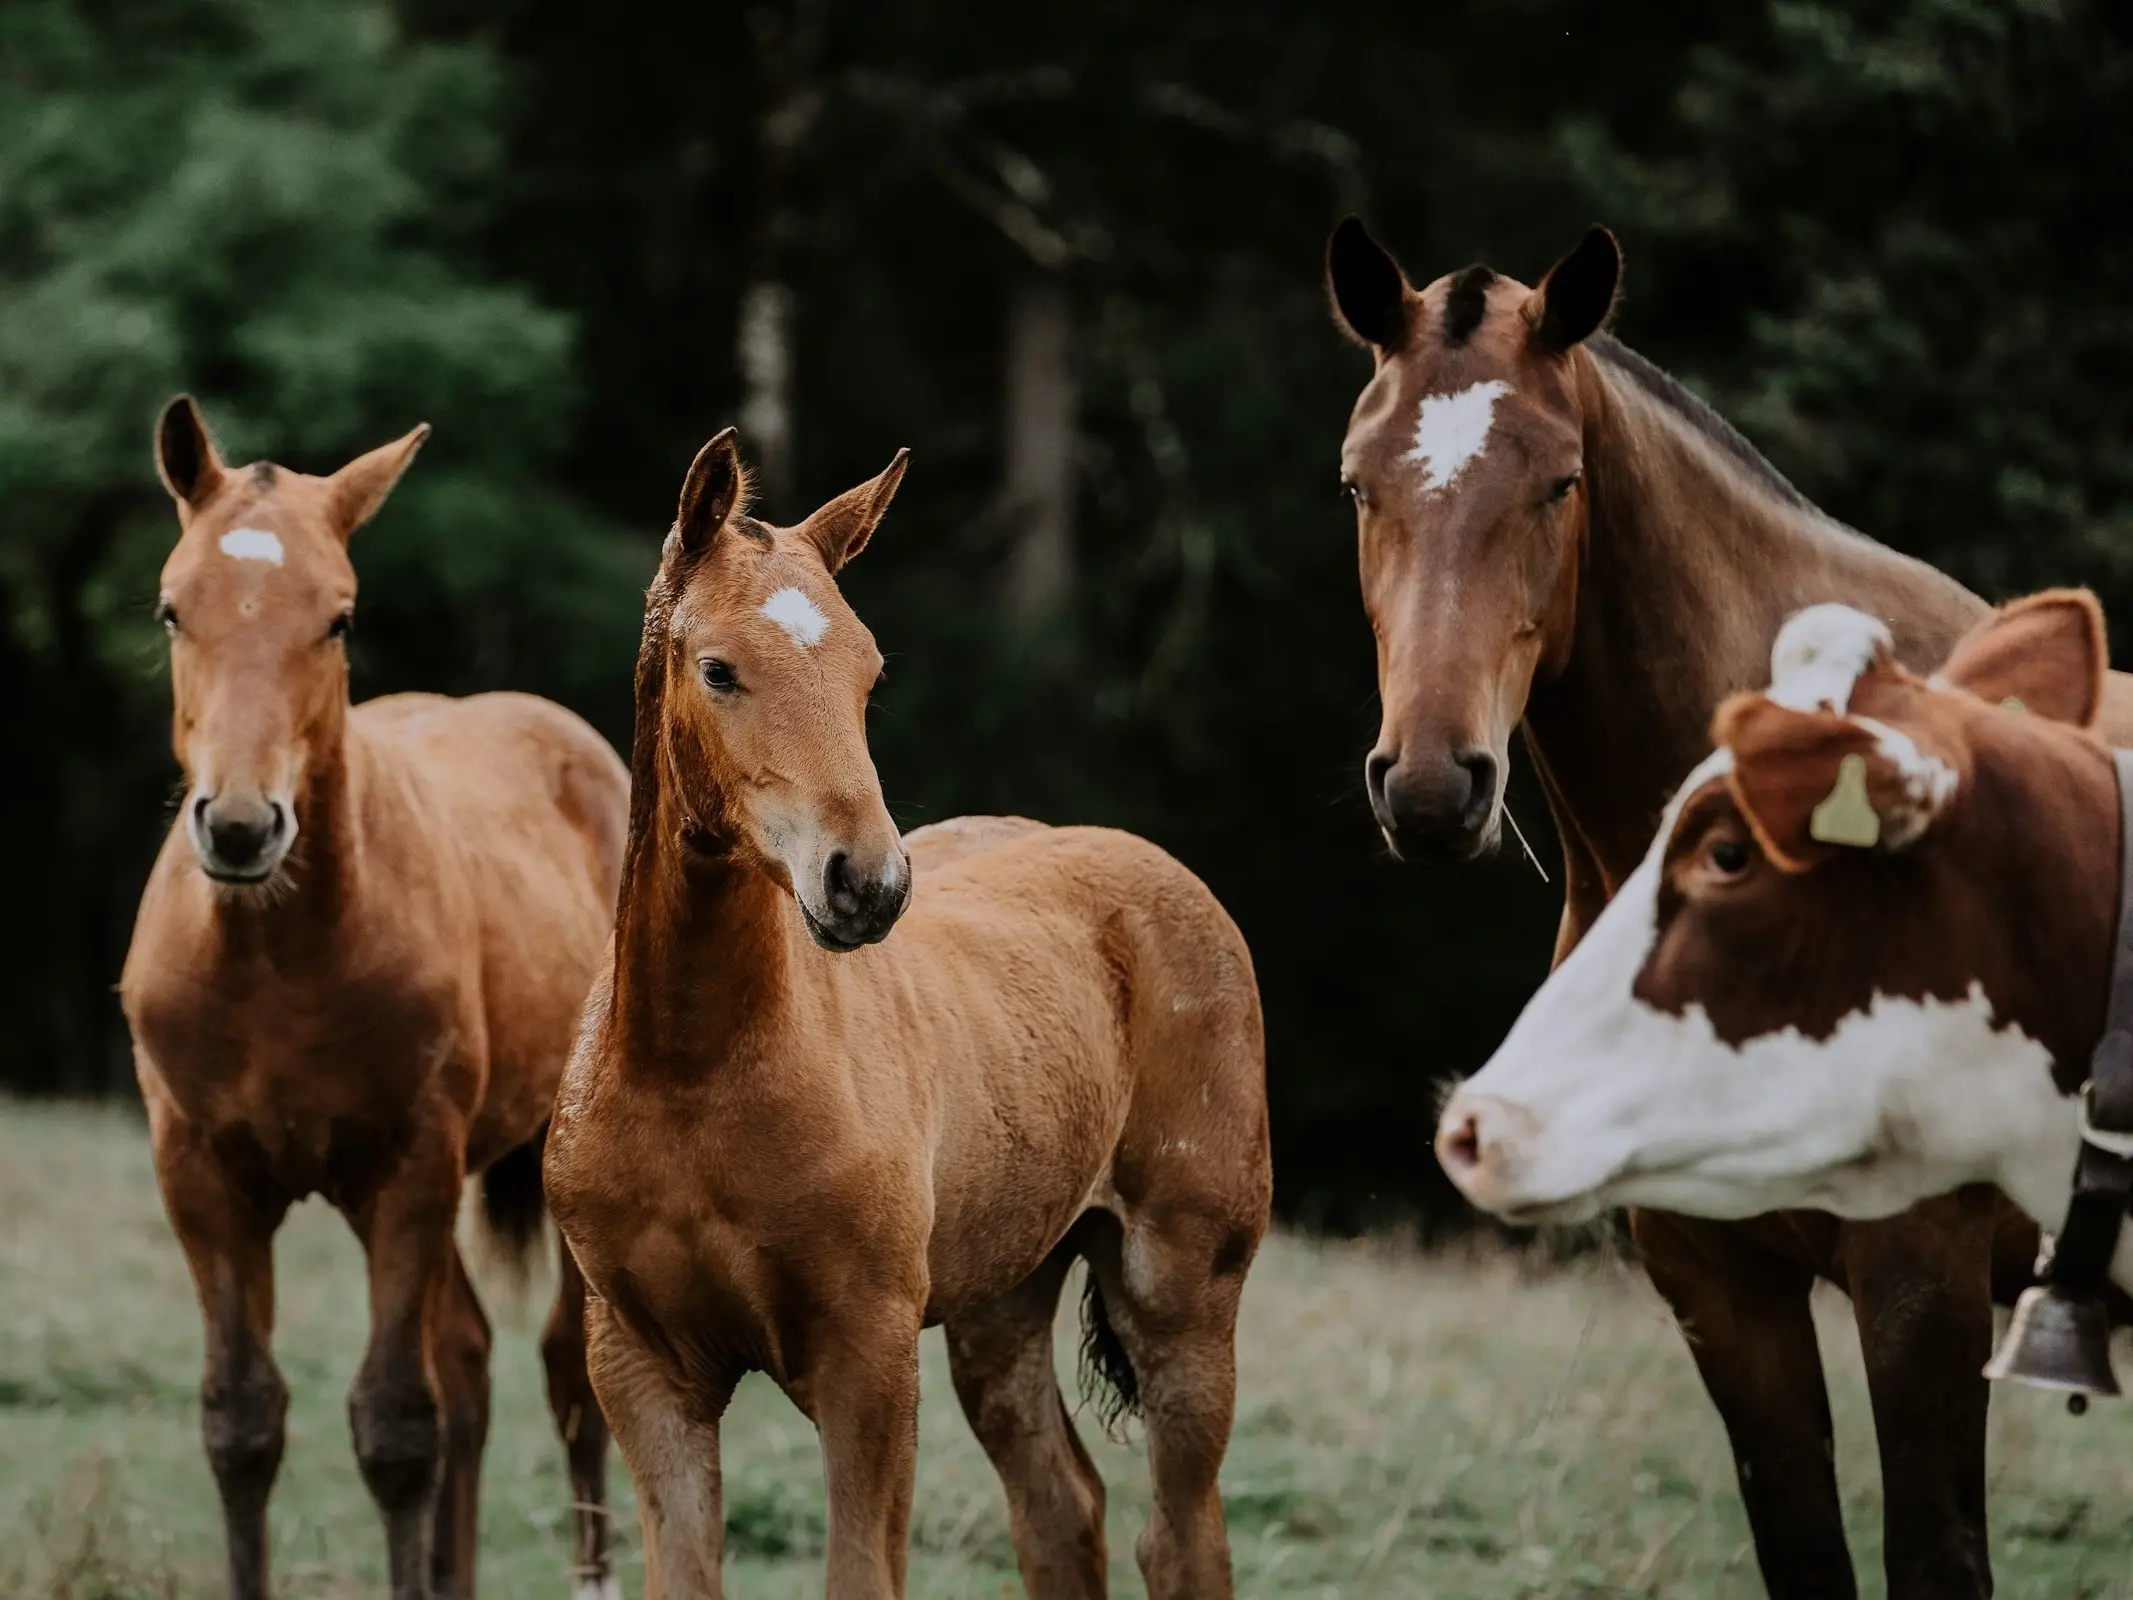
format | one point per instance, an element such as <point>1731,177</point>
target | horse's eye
<point>167,614</point>
<point>1352,491</point>
<point>1729,857</point>
<point>718,675</point>
<point>1560,489</point>
<point>342,626</point>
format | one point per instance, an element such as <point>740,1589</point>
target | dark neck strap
<point>2080,1259</point>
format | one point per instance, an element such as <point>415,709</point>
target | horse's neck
<point>1692,565</point>
<point>303,922</point>
<point>702,959</point>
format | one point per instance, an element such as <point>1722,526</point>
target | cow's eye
<point>1728,856</point>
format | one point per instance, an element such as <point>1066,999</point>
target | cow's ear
<point>2046,654</point>
<point>1812,783</point>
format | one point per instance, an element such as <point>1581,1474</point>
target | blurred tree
<point>1889,237</point>
<point>1070,254</point>
<point>254,199</point>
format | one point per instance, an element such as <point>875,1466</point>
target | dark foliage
<point>1883,238</point>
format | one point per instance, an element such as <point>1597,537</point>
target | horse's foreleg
<point>669,1439</point>
<point>228,1240</point>
<point>861,1389</point>
<point>460,1354</point>
<point>1921,1287</point>
<point>583,1429</point>
<point>1746,1317</point>
<point>1001,1359</point>
<point>396,1408</point>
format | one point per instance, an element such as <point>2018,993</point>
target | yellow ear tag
<point>2013,703</point>
<point>1847,816</point>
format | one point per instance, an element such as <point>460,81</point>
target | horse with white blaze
<point>1864,962</point>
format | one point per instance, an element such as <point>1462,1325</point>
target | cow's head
<point>1871,922</point>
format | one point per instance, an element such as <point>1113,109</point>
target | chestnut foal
<point>784,1145</point>
<point>356,969</point>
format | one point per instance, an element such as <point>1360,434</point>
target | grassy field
<point>1410,1425</point>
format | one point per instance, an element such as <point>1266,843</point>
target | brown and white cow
<point>1775,1012</point>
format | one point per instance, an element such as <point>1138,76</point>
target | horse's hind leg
<point>460,1352</point>
<point>583,1429</point>
<point>1169,1285</point>
<point>1001,1358</point>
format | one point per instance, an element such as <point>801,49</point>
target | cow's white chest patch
<point>1451,430</point>
<point>798,616</point>
<point>252,544</point>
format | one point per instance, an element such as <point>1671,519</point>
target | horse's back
<point>532,808</point>
<point>1118,911</point>
<point>511,758</point>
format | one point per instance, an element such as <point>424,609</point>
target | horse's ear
<point>1367,288</point>
<point>360,487</point>
<point>1573,301</point>
<point>715,488</point>
<point>186,459</point>
<point>2046,652</point>
<point>840,530</point>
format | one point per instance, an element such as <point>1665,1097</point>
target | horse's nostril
<point>279,822</point>
<point>1375,771</point>
<point>1480,769</point>
<point>837,885</point>
<point>200,808</point>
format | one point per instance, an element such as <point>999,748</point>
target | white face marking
<point>1451,430</point>
<point>798,616</point>
<point>252,544</point>
<point>1819,655</point>
<point>1596,1099</point>
<point>1928,783</point>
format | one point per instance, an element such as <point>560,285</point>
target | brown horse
<point>787,1141</point>
<point>355,973</point>
<point>1554,532</point>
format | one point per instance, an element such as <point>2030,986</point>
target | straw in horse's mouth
<point>1520,835</point>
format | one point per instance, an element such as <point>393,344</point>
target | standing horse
<point>355,972</point>
<point>1554,532</point>
<point>785,1145</point>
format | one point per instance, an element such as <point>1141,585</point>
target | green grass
<point>1409,1425</point>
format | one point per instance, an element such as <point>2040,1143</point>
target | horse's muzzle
<point>1435,810</point>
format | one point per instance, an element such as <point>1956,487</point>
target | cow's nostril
<point>1461,1143</point>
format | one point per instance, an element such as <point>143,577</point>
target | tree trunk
<point>765,352</point>
<point>1038,492</point>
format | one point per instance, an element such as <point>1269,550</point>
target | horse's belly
<point>1009,1183</point>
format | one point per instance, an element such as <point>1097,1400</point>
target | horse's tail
<point>513,1206</point>
<point>1108,1381</point>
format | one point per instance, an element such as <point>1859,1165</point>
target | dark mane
<point>1467,302</point>
<point>650,691</point>
<point>1677,397</point>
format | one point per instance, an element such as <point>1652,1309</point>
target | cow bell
<point>2057,1340</point>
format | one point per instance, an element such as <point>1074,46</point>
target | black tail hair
<point>1108,1381</point>
<point>513,1204</point>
